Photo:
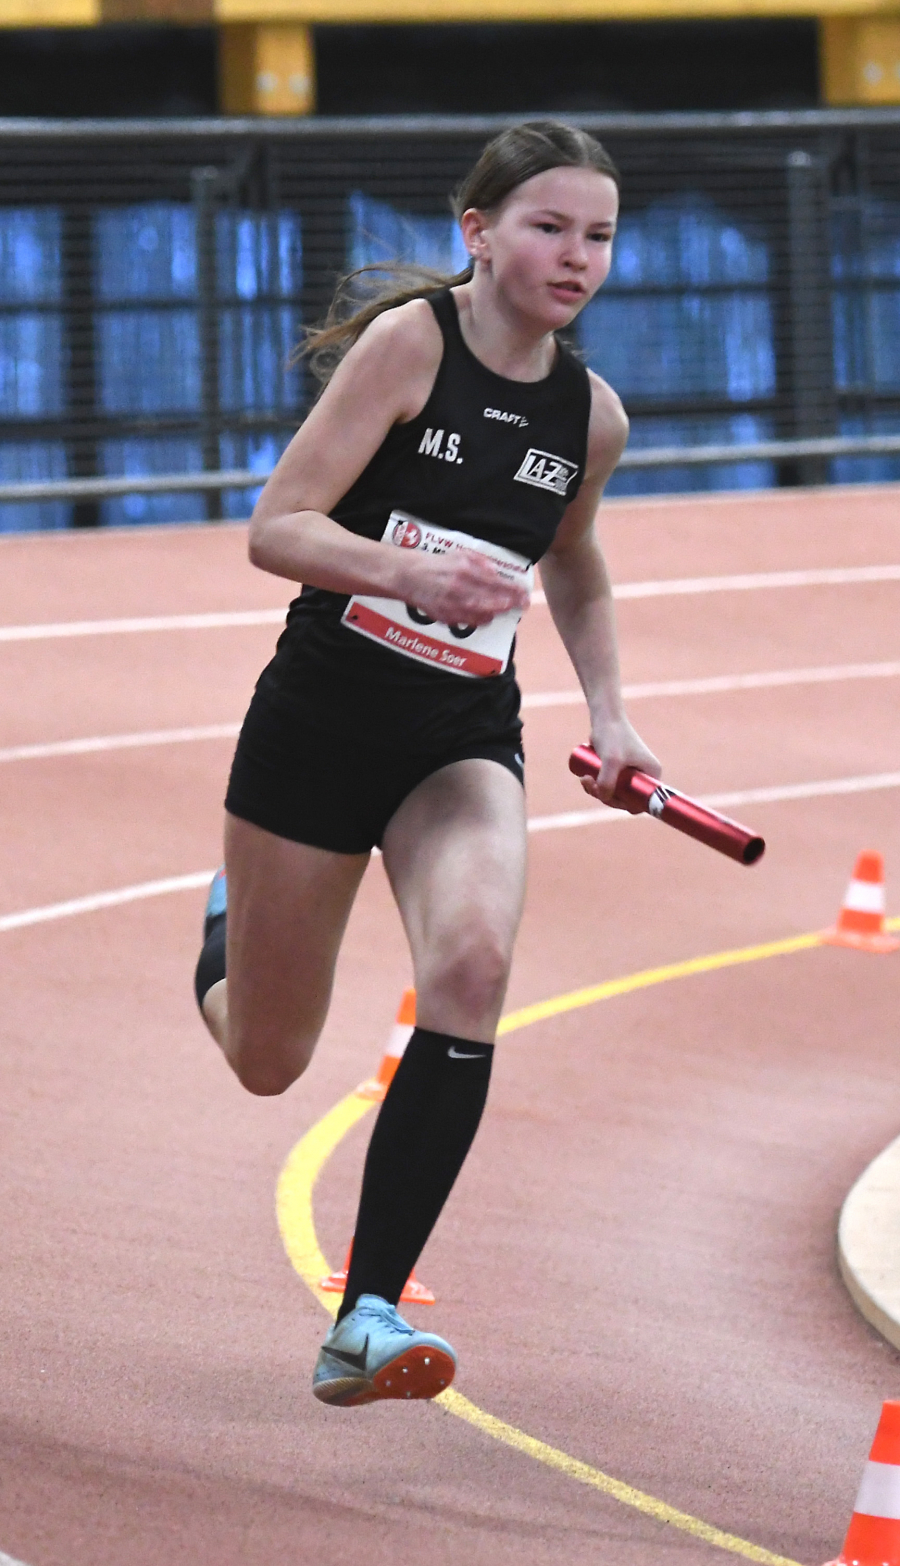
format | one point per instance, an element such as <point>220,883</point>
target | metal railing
<point>650,457</point>
<point>757,319</point>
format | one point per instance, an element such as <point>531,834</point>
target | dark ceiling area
<point>567,66</point>
<point>450,69</point>
<point>110,71</point>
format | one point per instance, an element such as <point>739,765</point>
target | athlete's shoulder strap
<point>576,382</point>
<point>444,307</point>
<point>574,371</point>
<point>572,361</point>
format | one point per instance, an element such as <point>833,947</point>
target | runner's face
<point>549,247</point>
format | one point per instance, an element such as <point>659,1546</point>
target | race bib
<point>472,650</point>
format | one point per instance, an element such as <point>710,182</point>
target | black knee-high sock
<point>211,962</point>
<point>425,1128</point>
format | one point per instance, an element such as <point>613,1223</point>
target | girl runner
<point>456,443</point>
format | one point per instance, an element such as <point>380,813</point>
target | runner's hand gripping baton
<point>639,793</point>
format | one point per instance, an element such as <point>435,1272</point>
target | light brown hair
<point>508,160</point>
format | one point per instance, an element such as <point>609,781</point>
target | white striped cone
<point>861,919</point>
<point>873,1538</point>
<point>399,1037</point>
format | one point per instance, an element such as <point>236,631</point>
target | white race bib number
<point>471,650</point>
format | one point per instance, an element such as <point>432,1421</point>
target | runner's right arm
<point>385,379</point>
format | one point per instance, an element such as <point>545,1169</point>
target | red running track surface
<point>638,1263</point>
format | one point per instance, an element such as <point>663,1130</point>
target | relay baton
<point>639,793</point>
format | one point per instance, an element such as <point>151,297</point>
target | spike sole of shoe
<point>420,1372</point>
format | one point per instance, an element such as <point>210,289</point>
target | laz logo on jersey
<point>545,471</point>
<point>432,445</point>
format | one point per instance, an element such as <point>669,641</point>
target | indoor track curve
<point>637,1267</point>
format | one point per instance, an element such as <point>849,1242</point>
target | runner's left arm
<point>579,597</point>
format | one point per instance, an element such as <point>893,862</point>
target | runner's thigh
<point>455,853</point>
<point>288,905</point>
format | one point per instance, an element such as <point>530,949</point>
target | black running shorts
<point>307,785</point>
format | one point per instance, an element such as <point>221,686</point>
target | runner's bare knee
<point>268,1066</point>
<point>472,974</point>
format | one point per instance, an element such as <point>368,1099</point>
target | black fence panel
<point>154,279</point>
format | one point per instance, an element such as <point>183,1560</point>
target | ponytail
<point>359,299</point>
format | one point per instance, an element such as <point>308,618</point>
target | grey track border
<point>868,1253</point>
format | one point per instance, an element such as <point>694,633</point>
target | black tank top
<point>496,459</point>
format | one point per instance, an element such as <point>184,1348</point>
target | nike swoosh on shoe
<point>355,1361</point>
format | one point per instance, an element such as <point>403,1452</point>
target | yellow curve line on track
<point>541,1010</point>
<point>616,1488</point>
<point>293,1199</point>
<point>294,1206</point>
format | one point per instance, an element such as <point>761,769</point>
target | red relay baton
<point>639,793</point>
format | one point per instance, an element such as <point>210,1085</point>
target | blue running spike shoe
<point>216,902</point>
<point>211,962</point>
<point>373,1353</point>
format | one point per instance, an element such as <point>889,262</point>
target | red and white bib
<point>475,651</point>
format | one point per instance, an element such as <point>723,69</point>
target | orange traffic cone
<point>861,919</point>
<point>414,1292</point>
<point>873,1538</point>
<point>400,1036</point>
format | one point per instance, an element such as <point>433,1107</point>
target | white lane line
<point>7,1560</point>
<point>826,576</point>
<point>747,582</point>
<point>598,815</point>
<point>829,576</point>
<point>824,674</point>
<point>769,796</point>
<point>710,685</point>
<point>158,622</point>
<point>100,742</point>
<point>572,698</point>
<point>125,894</point>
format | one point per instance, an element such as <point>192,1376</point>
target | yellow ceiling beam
<point>266,68</point>
<point>860,59</point>
<point>535,10</point>
<point>193,12</point>
<point>85,13</point>
<point>49,13</point>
